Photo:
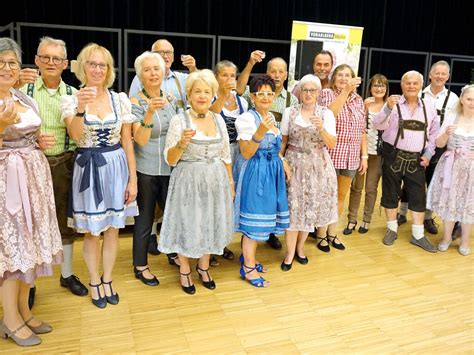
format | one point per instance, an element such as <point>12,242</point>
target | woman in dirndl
<point>104,183</point>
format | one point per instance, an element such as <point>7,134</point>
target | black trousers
<point>152,190</point>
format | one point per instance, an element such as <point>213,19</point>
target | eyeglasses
<point>45,59</point>
<point>93,65</point>
<point>379,86</point>
<point>310,91</point>
<point>13,65</point>
<point>261,94</point>
<point>163,53</point>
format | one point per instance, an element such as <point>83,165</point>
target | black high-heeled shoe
<point>348,230</point>
<point>324,248</point>
<point>190,289</point>
<point>299,259</point>
<point>149,282</point>
<point>101,302</point>
<point>211,285</point>
<point>114,297</point>
<point>363,228</point>
<point>173,259</point>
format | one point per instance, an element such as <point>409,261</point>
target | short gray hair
<point>440,62</point>
<point>205,76</point>
<point>412,72</point>
<point>224,64</point>
<point>310,79</point>
<point>149,55</point>
<point>44,41</point>
<point>9,45</point>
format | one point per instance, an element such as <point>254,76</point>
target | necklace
<point>230,100</point>
<point>147,95</point>
<point>197,114</point>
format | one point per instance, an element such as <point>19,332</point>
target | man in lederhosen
<point>47,89</point>
<point>444,100</point>
<point>410,128</point>
<point>277,69</point>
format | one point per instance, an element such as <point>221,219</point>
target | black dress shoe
<point>114,297</point>
<point>363,229</point>
<point>101,302</point>
<point>31,297</point>
<point>74,285</point>
<point>302,261</point>
<point>273,242</point>
<point>173,259</point>
<point>348,230</point>
<point>190,289</point>
<point>401,219</point>
<point>285,267</point>
<point>153,245</point>
<point>431,226</point>
<point>324,248</point>
<point>149,282</point>
<point>211,285</point>
<point>332,240</point>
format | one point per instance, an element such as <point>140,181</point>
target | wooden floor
<point>367,299</point>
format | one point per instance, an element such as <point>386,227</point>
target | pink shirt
<point>387,120</point>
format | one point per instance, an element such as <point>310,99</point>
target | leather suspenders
<point>402,123</point>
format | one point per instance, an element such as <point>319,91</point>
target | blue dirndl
<point>260,205</point>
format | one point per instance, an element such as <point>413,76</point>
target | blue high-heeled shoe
<point>259,267</point>
<point>258,282</point>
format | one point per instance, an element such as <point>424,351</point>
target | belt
<point>448,167</point>
<point>204,161</point>
<point>17,186</point>
<point>88,156</point>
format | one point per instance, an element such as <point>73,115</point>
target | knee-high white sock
<point>154,228</point>
<point>66,266</point>
<point>403,208</point>
<point>392,225</point>
<point>418,231</point>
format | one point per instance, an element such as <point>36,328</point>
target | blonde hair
<point>205,76</point>
<point>84,56</point>
<point>458,108</point>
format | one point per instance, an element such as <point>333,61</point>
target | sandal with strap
<point>173,259</point>
<point>213,261</point>
<point>6,333</point>
<point>324,248</point>
<point>43,328</point>
<point>101,302</point>
<point>258,282</point>
<point>349,230</point>
<point>114,297</point>
<point>259,267</point>
<point>190,289</point>
<point>211,285</point>
<point>332,240</point>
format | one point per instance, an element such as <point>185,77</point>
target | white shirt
<point>329,122</point>
<point>438,100</point>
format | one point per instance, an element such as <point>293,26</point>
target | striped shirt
<point>48,102</point>
<point>413,141</point>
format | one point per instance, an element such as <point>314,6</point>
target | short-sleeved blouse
<point>97,131</point>
<point>329,122</point>
<point>246,127</point>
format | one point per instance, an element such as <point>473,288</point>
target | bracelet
<point>256,140</point>
<point>80,114</point>
<point>365,157</point>
<point>282,158</point>
<point>143,124</point>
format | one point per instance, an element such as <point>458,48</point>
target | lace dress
<point>100,175</point>
<point>198,216</point>
<point>451,191</point>
<point>30,241</point>
<point>312,189</point>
